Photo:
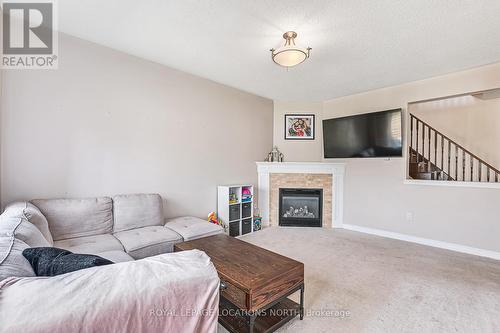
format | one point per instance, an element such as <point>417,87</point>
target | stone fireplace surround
<point>327,176</point>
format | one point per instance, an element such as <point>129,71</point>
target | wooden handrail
<point>426,144</point>
<point>458,145</point>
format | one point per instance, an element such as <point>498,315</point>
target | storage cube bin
<point>234,229</point>
<point>234,212</point>
<point>246,226</point>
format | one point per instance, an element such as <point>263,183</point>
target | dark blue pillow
<point>51,261</point>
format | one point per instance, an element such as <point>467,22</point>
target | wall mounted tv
<point>376,134</point>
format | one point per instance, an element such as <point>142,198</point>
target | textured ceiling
<point>358,45</point>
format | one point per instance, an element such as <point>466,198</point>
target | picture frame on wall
<point>299,126</point>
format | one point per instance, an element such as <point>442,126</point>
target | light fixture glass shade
<point>290,55</point>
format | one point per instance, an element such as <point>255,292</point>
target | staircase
<point>434,156</point>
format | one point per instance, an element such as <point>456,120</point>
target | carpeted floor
<point>362,283</point>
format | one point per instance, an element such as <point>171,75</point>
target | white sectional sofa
<point>123,228</point>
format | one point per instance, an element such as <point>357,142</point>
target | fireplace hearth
<point>300,207</point>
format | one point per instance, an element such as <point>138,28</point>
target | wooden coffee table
<point>255,284</point>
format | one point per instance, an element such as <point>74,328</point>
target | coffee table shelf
<point>269,321</point>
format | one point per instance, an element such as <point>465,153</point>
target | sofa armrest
<point>32,214</point>
<point>175,292</point>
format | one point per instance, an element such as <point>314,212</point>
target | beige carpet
<point>386,285</point>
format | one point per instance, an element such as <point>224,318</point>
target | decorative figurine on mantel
<point>275,155</point>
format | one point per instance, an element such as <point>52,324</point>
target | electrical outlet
<point>409,217</point>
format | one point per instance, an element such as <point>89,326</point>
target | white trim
<point>425,241</point>
<point>451,183</point>
<point>263,196</point>
<point>337,171</point>
<point>300,167</point>
<point>338,198</point>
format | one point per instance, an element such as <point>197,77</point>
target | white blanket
<point>176,292</point>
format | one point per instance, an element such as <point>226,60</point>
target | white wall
<point>107,123</point>
<point>375,195</point>
<point>295,150</point>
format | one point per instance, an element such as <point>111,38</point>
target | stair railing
<point>446,154</point>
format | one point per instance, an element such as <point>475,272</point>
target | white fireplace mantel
<point>335,169</point>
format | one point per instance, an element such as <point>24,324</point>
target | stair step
<point>423,167</point>
<point>434,175</point>
<point>424,176</point>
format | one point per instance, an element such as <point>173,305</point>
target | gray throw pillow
<point>51,261</point>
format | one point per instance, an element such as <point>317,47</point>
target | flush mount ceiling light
<point>290,55</point>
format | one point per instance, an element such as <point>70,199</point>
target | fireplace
<point>300,207</point>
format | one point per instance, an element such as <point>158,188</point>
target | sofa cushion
<point>70,218</point>
<point>192,227</point>
<point>90,244</point>
<point>12,262</point>
<point>137,210</point>
<point>20,228</point>
<point>51,261</point>
<point>33,215</point>
<point>148,241</point>
<point>115,256</point>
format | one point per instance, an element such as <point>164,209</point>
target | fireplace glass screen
<point>301,207</point>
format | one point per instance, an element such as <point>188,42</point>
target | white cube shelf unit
<point>235,208</point>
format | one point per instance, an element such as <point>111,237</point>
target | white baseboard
<point>425,241</point>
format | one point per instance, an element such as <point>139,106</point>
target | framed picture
<point>299,127</point>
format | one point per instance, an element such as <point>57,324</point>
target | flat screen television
<point>376,134</point>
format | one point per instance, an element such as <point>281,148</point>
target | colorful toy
<point>246,195</point>
<point>212,218</point>
<point>233,198</point>
<point>257,223</point>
